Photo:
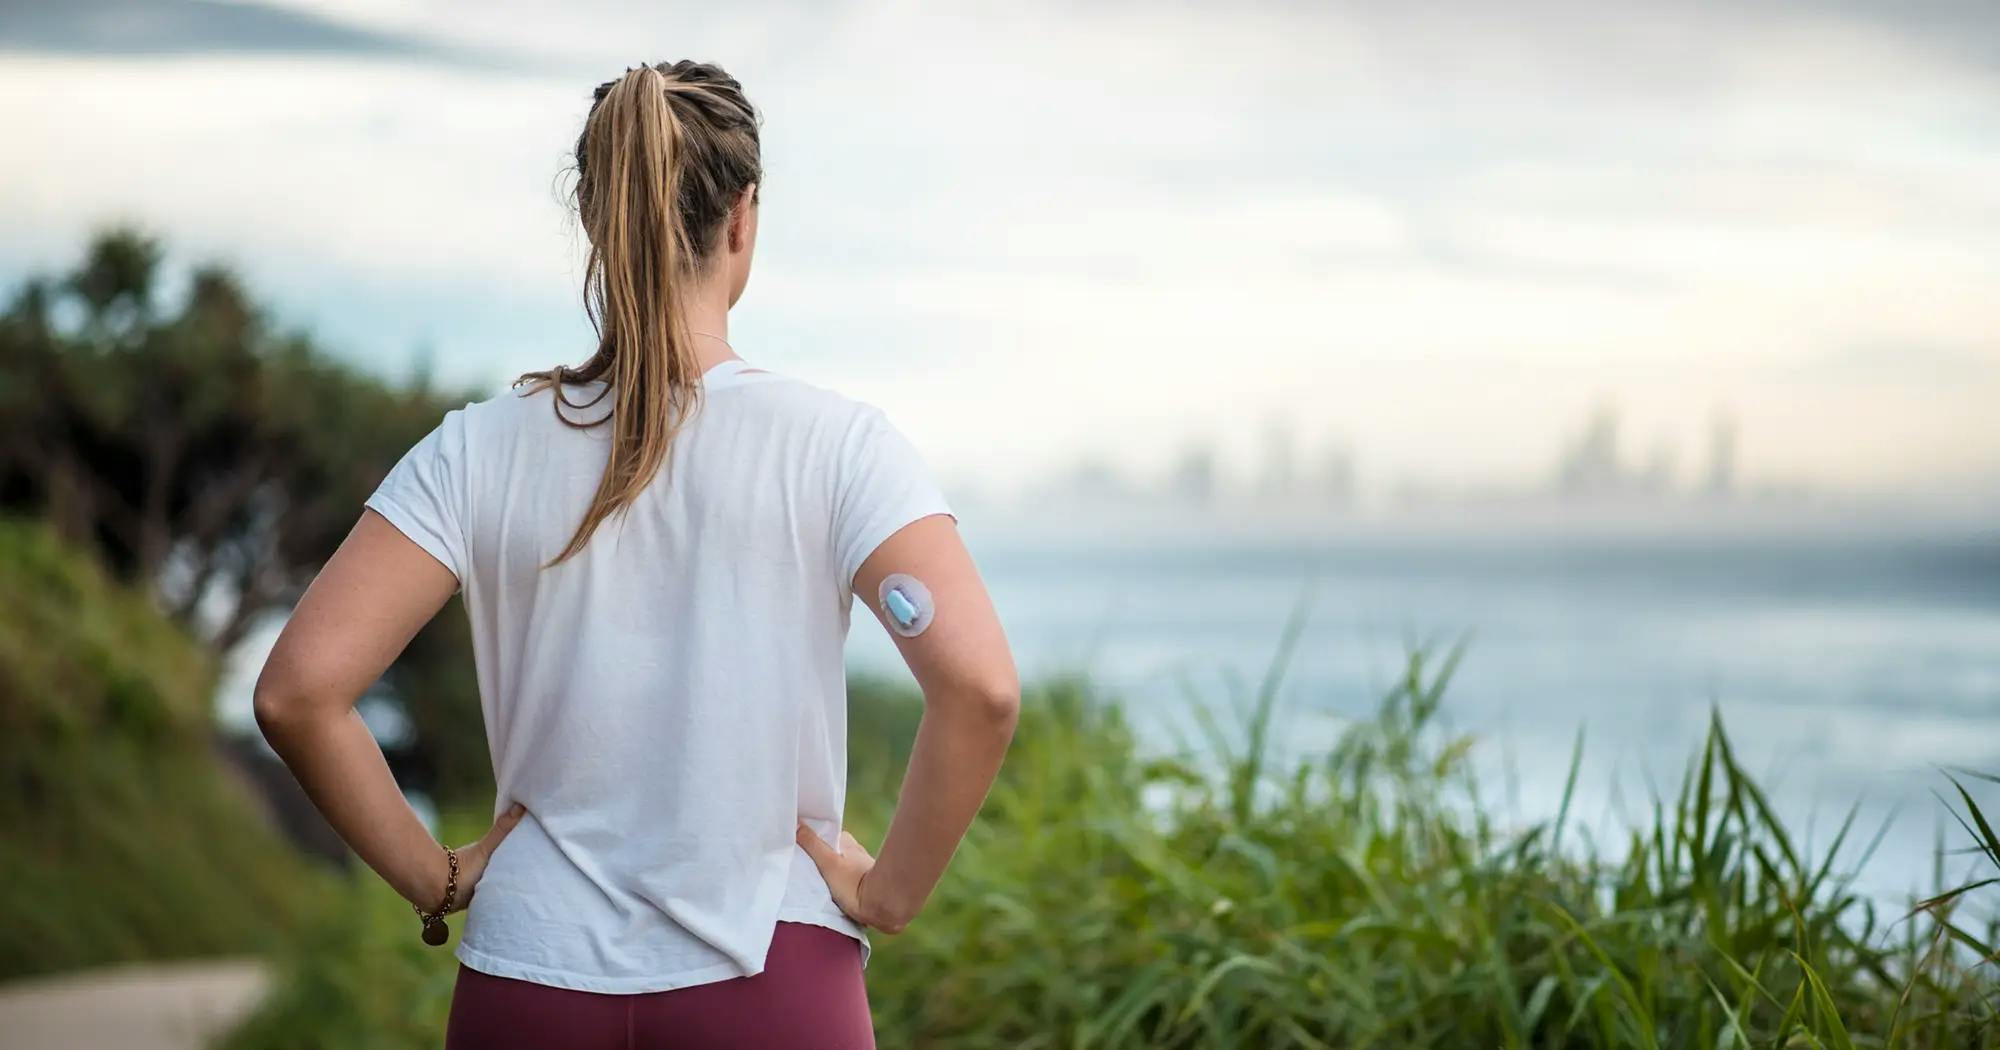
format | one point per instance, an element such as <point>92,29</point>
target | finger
<point>503,825</point>
<point>822,854</point>
<point>852,847</point>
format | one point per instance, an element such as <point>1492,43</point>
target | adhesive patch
<point>906,603</point>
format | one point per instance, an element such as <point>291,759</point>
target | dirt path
<point>166,1006</point>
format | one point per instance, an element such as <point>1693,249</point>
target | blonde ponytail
<point>635,197</point>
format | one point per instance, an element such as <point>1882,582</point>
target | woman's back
<point>669,702</point>
<point>658,549</point>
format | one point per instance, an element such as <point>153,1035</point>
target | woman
<point>658,551</point>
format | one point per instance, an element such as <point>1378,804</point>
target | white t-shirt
<point>671,701</point>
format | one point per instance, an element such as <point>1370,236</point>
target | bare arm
<point>972,698</point>
<point>368,601</point>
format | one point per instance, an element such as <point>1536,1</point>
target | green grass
<point>1108,898</point>
<point>356,976</point>
<point>121,838</point>
<point>1350,899</point>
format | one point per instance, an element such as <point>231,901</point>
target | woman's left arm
<point>368,601</point>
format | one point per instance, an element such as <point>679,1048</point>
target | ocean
<point>1850,666</point>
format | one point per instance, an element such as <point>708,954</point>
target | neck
<point>708,312</point>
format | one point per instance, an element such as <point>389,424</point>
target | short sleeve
<point>424,496</point>
<point>884,485</point>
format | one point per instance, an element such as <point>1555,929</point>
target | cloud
<point>1963,29</point>
<point>176,26</point>
<point>1443,229</point>
<point>220,27</point>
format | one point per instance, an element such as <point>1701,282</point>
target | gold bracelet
<point>435,931</point>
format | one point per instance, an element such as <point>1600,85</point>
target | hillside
<point>122,836</point>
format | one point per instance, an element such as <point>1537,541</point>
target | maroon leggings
<point>809,995</point>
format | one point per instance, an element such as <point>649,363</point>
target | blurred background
<point>1650,352</point>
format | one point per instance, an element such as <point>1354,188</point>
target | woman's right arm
<point>972,697</point>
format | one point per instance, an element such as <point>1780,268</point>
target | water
<point>1848,666</point>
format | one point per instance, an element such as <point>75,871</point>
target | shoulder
<point>778,399</point>
<point>527,406</point>
<point>473,429</point>
<point>852,443</point>
<point>818,408</point>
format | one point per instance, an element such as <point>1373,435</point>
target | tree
<point>200,452</point>
<point>212,459</point>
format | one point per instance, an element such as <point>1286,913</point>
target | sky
<point>1437,235</point>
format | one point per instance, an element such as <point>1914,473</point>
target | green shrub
<point>121,837</point>
<point>1362,897</point>
<point>355,976</point>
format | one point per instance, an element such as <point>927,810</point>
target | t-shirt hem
<point>836,922</point>
<point>581,982</point>
<point>520,971</point>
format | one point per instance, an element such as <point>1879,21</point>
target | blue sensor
<point>906,604</point>
<point>901,608</point>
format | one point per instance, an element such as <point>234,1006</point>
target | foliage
<point>355,976</point>
<point>1365,898</point>
<point>203,454</point>
<point>198,451</point>
<point>1358,897</point>
<point>120,835</point>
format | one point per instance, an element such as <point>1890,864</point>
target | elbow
<point>280,709</point>
<point>273,712</point>
<point>989,704</point>
<point>998,703</point>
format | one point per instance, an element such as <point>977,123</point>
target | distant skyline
<point>1599,467</point>
<point>1437,235</point>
